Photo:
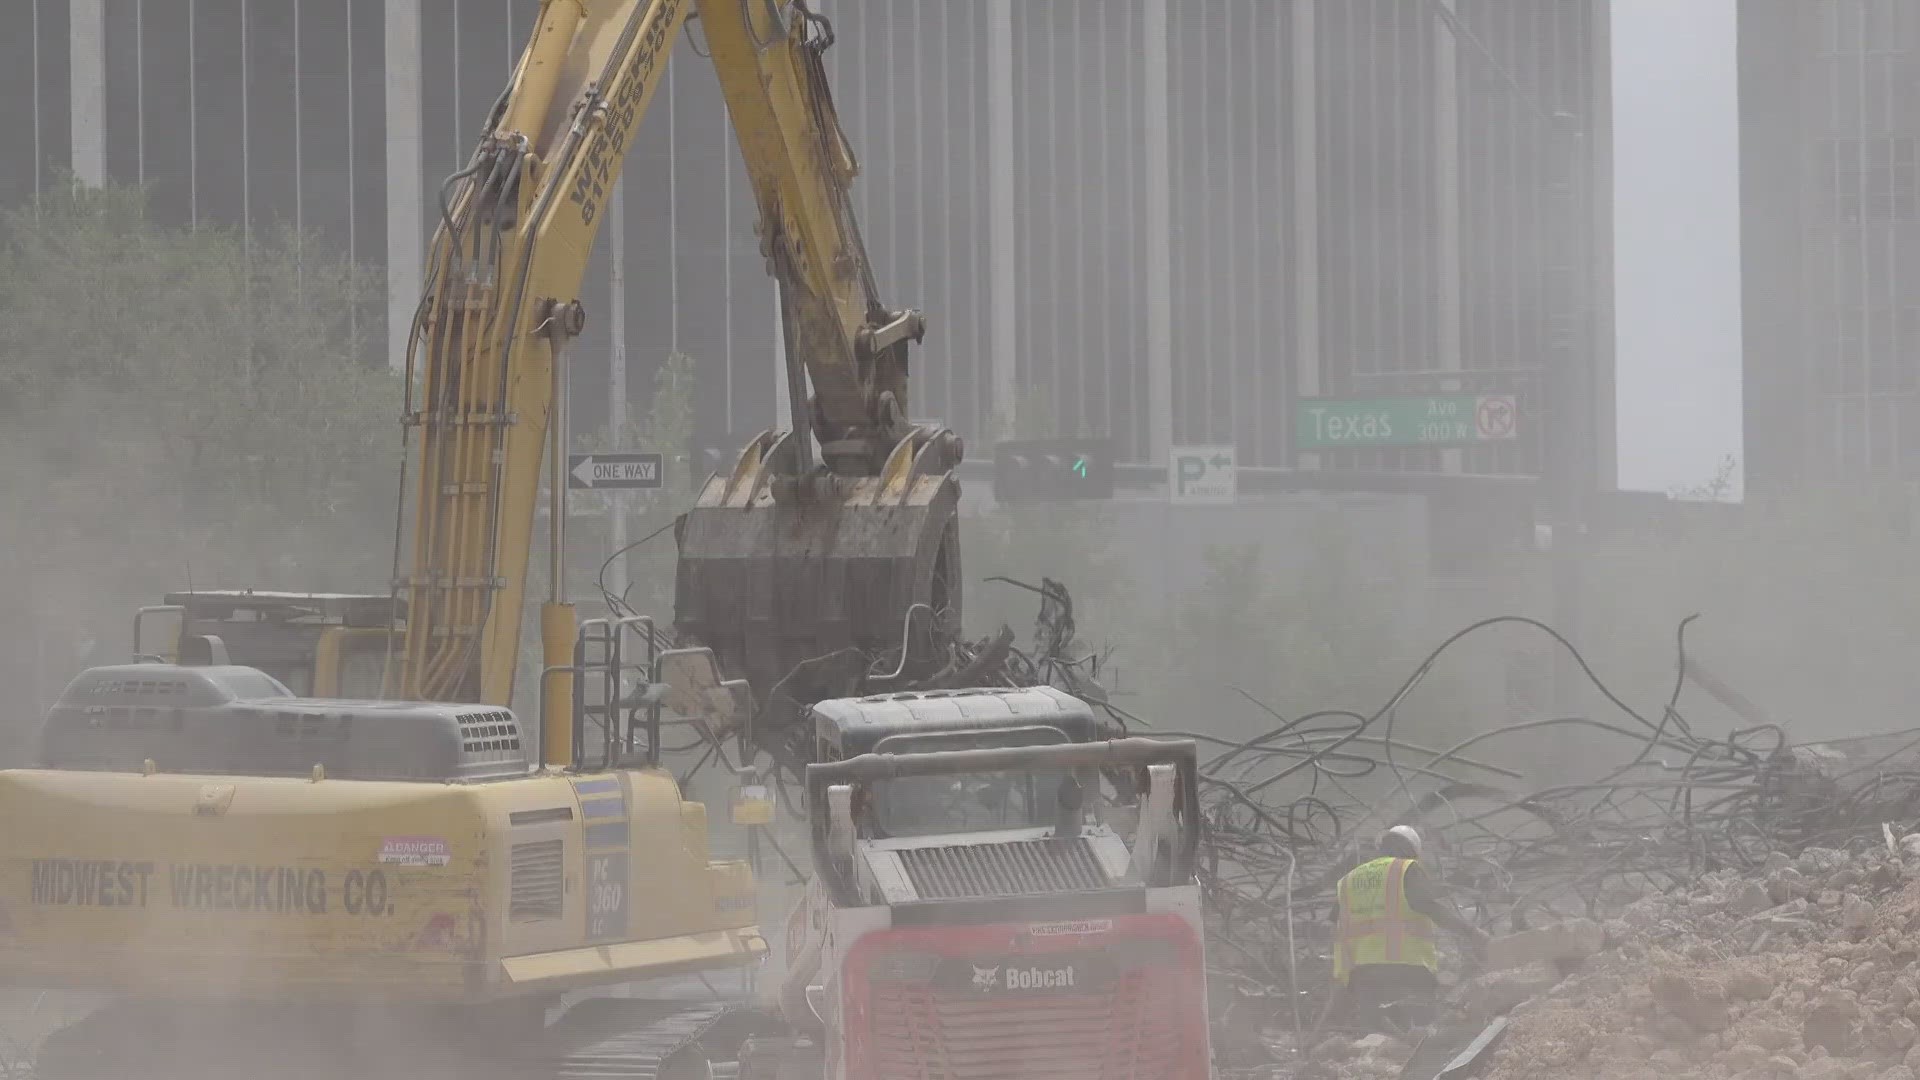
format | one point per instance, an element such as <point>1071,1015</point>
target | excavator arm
<point>787,562</point>
<point>851,347</point>
<point>798,574</point>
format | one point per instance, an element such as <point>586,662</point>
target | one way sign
<point>601,472</point>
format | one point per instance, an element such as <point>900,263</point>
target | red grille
<point>948,1035</point>
<point>1142,1021</point>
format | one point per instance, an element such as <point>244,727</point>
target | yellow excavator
<point>835,536</point>
<point>272,880</point>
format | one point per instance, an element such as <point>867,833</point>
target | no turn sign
<point>1494,417</point>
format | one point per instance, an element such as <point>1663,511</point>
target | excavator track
<point>634,1039</point>
<point>598,1039</point>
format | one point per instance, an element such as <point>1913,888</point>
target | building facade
<point>1830,228</point>
<point>1162,221</point>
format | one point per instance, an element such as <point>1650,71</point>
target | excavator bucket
<point>825,586</point>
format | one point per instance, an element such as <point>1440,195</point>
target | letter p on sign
<point>1200,475</point>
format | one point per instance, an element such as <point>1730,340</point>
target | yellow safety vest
<point>1376,924</point>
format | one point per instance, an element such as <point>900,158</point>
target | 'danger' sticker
<point>415,851</point>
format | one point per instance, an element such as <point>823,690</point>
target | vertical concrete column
<point>1003,295</point>
<point>1304,147</point>
<point>405,243</point>
<point>87,47</point>
<point>1446,183</point>
<point>39,155</point>
<point>1599,271</point>
<point>1159,235</point>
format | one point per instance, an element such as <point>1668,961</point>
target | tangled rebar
<point>1290,810</point>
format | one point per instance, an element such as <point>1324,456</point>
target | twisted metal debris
<point>1291,809</point>
<point>1286,816</point>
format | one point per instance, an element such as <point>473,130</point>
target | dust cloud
<point>205,407</point>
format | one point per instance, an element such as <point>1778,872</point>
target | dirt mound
<point>1803,969</point>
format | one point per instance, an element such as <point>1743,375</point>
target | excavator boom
<point>486,353</point>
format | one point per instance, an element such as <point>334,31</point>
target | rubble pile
<point>1715,891</point>
<point>1804,968</point>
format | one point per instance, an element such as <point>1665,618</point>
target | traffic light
<point>1052,470</point>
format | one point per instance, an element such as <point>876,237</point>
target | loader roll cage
<point>1142,754</point>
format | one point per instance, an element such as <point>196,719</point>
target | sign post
<point>1437,420</point>
<point>1202,475</point>
<point>614,471</point>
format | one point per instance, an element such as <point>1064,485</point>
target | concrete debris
<point>1574,940</point>
<point>1337,1048</point>
<point>1737,976</point>
<point>1496,992</point>
<point>1750,898</point>
<point>1855,913</point>
<point>1699,1003</point>
<point>1709,904</point>
<point>1784,884</point>
<point>1747,984</point>
<point>1831,993</point>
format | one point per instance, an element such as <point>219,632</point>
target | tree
<point>181,406</point>
<point>1722,486</point>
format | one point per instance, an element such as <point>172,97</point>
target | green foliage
<point>1722,486</point>
<point>178,403</point>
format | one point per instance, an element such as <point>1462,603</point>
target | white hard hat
<point>1408,837</point>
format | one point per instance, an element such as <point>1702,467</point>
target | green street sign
<point>1438,420</point>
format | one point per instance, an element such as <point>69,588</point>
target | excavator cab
<point>333,645</point>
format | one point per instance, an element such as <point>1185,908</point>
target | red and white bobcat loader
<point>994,899</point>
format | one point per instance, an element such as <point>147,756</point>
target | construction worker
<point>1384,949</point>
